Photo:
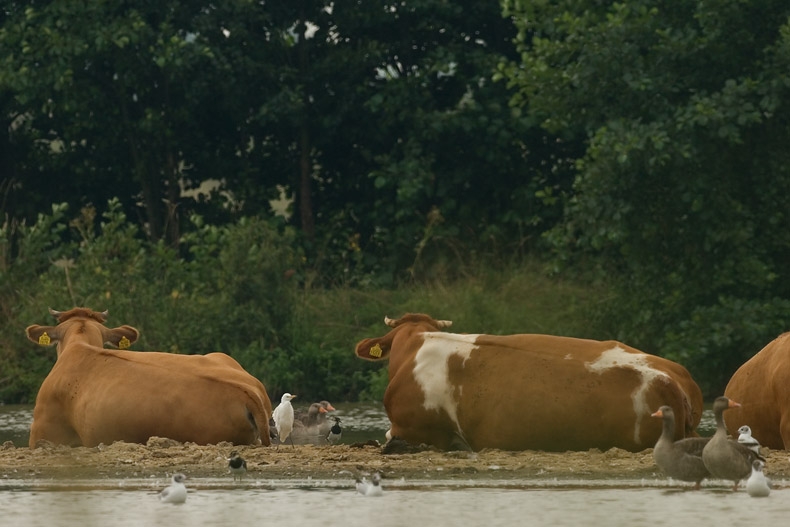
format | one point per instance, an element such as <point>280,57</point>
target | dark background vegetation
<point>585,168</point>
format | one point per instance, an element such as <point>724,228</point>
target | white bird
<point>745,438</point>
<point>370,488</point>
<point>237,465</point>
<point>176,492</point>
<point>283,417</point>
<point>335,432</point>
<point>758,485</point>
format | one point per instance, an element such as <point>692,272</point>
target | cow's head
<point>376,349</point>
<point>81,319</point>
<point>62,316</point>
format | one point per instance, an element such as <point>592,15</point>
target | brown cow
<point>522,392</point>
<point>95,395</point>
<point>762,386</point>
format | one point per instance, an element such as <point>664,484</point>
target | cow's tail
<point>259,420</point>
<point>690,428</point>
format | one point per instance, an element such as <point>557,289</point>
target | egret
<point>284,418</point>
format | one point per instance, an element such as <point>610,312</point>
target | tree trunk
<point>305,184</point>
<point>306,215</point>
<point>148,185</point>
<point>172,223</point>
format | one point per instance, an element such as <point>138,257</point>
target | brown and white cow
<point>762,386</point>
<point>96,395</point>
<point>521,392</point>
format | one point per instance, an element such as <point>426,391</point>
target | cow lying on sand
<point>95,395</point>
<point>522,392</point>
<point>762,386</point>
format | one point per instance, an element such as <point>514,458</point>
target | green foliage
<point>462,176</point>
<point>386,119</point>
<point>108,95</point>
<point>743,326</point>
<point>676,199</point>
<point>28,252</point>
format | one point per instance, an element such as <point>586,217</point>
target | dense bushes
<point>244,289</point>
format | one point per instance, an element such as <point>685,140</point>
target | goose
<point>370,488</point>
<point>323,423</point>
<point>316,415</point>
<point>723,457</point>
<point>303,415</point>
<point>746,439</point>
<point>680,459</point>
<point>283,417</point>
<point>307,429</point>
<point>758,485</point>
<point>313,416</point>
<point>176,492</point>
<point>237,465</point>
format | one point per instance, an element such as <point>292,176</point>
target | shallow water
<point>360,422</point>
<point>15,422</point>
<point>425,505</point>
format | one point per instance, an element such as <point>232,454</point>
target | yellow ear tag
<point>124,343</point>
<point>375,351</point>
<point>44,339</point>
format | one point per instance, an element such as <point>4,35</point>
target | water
<point>133,501</point>
<point>360,422</point>
<point>435,506</point>
<point>15,422</point>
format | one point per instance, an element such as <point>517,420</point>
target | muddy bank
<point>162,457</point>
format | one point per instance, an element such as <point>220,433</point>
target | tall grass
<point>518,298</point>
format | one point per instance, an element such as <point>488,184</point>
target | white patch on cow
<point>568,357</point>
<point>617,357</point>
<point>432,372</point>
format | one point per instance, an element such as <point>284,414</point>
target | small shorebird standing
<point>335,433</point>
<point>237,465</point>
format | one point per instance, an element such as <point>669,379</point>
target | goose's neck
<point>668,430</point>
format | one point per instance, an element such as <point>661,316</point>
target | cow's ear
<point>121,337</point>
<point>43,335</point>
<point>373,349</point>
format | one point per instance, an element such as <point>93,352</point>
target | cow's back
<point>530,392</point>
<point>53,410</point>
<point>570,394</point>
<point>109,395</point>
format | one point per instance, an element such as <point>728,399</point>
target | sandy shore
<point>161,457</point>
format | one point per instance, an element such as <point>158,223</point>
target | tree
<point>116,99</point>
<point>677,196</point>
<point>418,159</point>
<point>381,123</point>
